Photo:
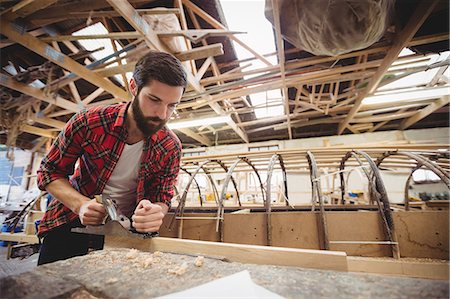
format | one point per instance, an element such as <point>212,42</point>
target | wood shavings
<point>132,254</point>
<point>147,262</point>
<point>112,280</point>
<point>158,254</point>
<point>179,270</point>
<point>199,261</point>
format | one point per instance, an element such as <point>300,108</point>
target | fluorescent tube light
<point>421,94</point>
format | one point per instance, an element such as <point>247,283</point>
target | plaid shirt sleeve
<point>161,187</point>
<point>60,160</point>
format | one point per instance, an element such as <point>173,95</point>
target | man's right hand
<point>92,213</point>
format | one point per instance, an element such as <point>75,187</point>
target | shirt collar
<point>120,120</point>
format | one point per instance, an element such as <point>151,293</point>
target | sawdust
<point>199,261</point>
<point>132,254</point>
<point>158,254</point>
<point>180,270</point>
<point>82,294</point>
<point>147,262</point>
<point>112,280</point>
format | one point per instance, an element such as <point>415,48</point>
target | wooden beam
<point>202,139</point>
<point>25,8</point>
<point>196,53</point>
<point>38,94</point>
<point>424,112</point>
<point>323,59</point>
<point>200,52</point>
<point>72,86</point>
<point>204,68</point>
<point>139,24</point>
<point>193,35</point>
<point>419,16</point>
<point>306,258</point>
<point>15,33</point>
<point>111,35</point>
<point>382,117</point>
<point>112,13</point>
<point>37,131</point>
<point>92,96</point>
<point>49,122</point>
<point>419,269</point>
<point>237,129</point>
<point>281,60</point>
<point>19,237</point>
<point>218,25</point>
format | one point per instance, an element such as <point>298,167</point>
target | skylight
<point>93,44</point>
<point>413,86</point>
<point>248,16</point>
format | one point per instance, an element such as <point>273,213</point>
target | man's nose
<point>162,112</point>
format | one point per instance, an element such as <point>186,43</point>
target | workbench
<point>129,273</point>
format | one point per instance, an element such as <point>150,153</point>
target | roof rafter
<point>419,16</point>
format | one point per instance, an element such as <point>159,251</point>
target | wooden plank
<point>37,131</point>
<point>295,230</point>
<point>200,52</point>
<point>357,226</point>
<point>423,234</point>
<point>92,96</point>
<point>281,60</point>
<point>112,13</point>
<point>416,20</point>
<point>19,237</point>
<point>15,33</point>
<point>200,138</point>
<point>49,122</point>
<point>204,68</point>
<point>316,259</point>
<point>111,35</point>
<point>424,112</point>
<point>30,226</point>
<point>25,8</point>
<point>192,34</point>
<point>245,229</point>
<point>422,269</point>
<point>200,229</point>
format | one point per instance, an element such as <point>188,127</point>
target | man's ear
<point>133,87</point>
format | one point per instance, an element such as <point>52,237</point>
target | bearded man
<point>124,152</point>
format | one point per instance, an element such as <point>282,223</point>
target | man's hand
<point>147,217</point>
<point>92,213</point>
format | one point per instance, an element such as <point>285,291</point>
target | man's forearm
<point>63,191</point>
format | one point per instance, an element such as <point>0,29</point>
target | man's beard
<point>142,122</point>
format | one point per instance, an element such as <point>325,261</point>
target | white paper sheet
<point>238,285</point>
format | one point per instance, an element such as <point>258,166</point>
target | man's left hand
<point>147,217</point>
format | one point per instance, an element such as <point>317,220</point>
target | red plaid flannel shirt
<point>96,138</point>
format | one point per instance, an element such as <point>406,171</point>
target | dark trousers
<point>60,243</point>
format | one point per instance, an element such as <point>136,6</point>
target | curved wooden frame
<point>268,205</point>
<point>378,191</point>
<point>227,181</point>
<point>316,191</point>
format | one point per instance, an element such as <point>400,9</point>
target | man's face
<point>154,105</point>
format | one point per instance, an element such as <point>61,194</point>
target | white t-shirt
<point>121,186</point>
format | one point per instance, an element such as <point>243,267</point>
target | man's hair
<point>159,66</point>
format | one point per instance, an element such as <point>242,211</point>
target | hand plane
<point>115,224</point>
